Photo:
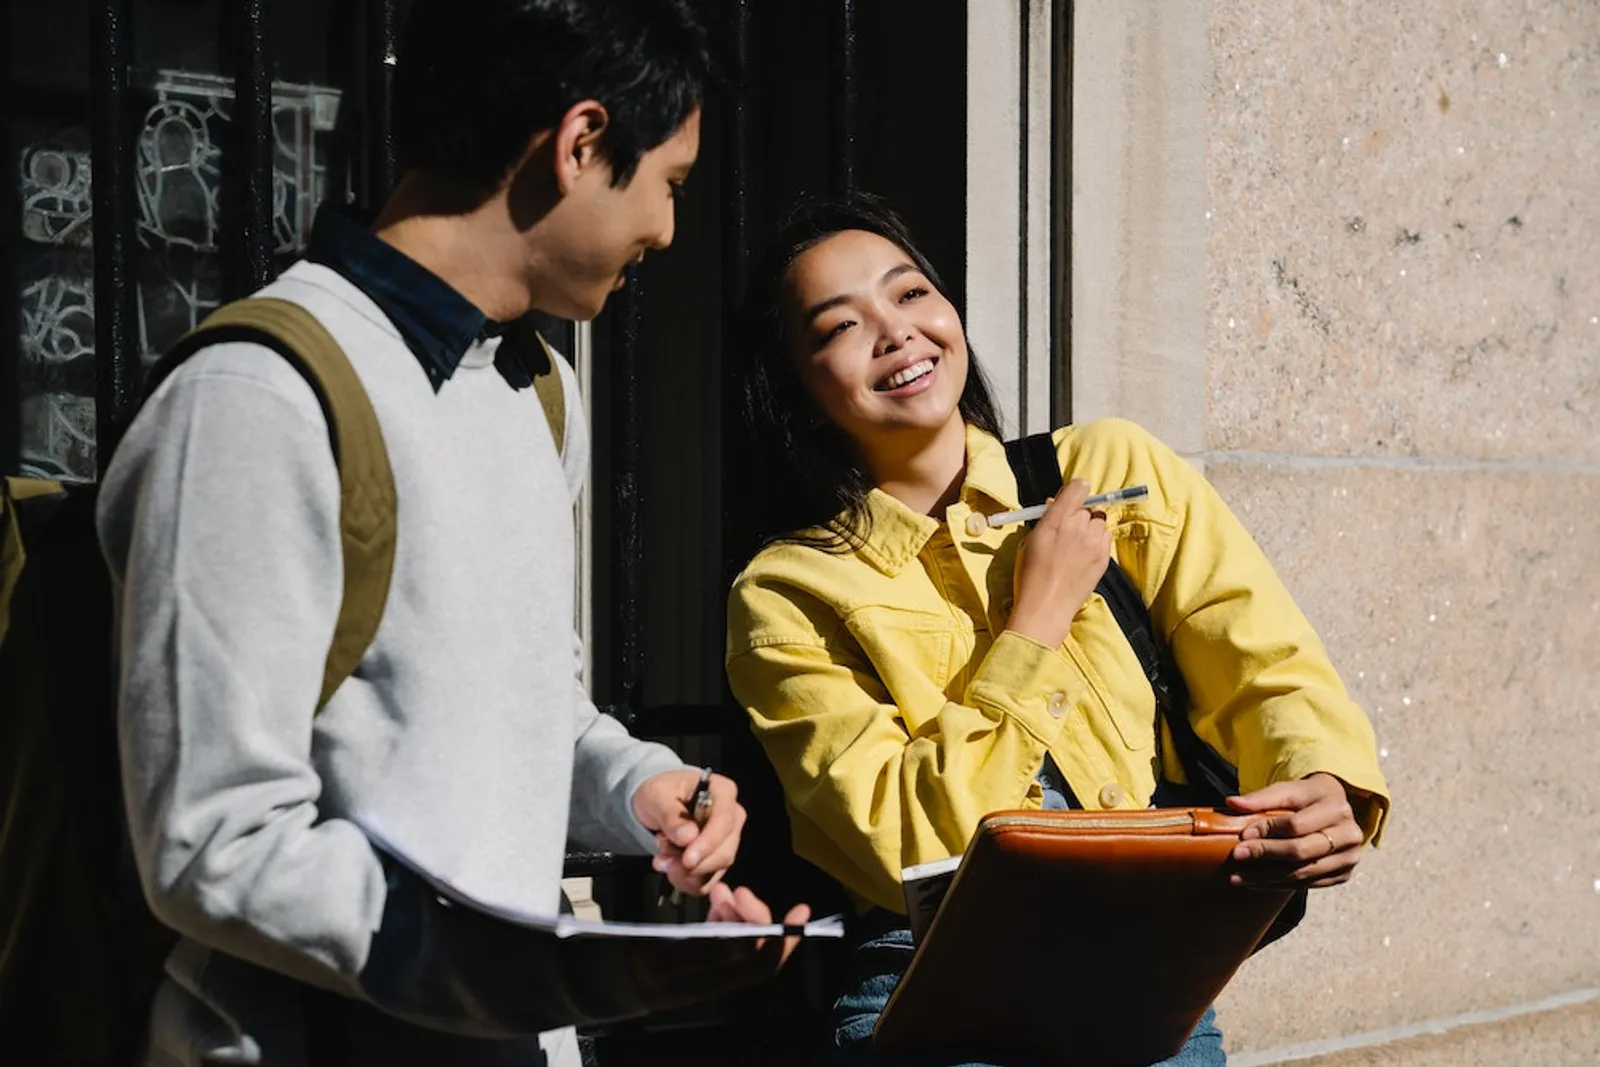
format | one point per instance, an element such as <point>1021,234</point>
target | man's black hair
<point>474,80</point>
<point>814,487</point>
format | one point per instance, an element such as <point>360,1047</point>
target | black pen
<point>699,805</point>
<point>700,800</point>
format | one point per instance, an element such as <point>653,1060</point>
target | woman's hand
<point>1059,564</point>
<point>1314,840</point>
<point>742,906</point>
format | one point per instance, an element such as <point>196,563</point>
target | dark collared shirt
<point>437,323</point>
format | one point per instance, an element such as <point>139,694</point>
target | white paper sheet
<point>565,926</point>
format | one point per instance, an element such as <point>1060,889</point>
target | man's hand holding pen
<point>698,819</point>
<point>691,853</point>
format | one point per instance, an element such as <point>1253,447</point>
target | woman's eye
<point>837,330</point>
<point>916,292</point>
<point>677,191</point>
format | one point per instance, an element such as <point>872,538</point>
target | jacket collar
<point>899,534</point>
<point>989,474</point>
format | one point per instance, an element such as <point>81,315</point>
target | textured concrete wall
<point>1403,381</point>
<point>1138,250</point>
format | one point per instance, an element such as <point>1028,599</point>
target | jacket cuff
<point>1364,785</point>
<point>1029,682</point>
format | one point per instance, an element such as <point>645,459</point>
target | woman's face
<point>877,346</point>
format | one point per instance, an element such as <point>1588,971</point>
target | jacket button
<point>1110,795</point>
<point>976,524</point>
<point>1058,704</point>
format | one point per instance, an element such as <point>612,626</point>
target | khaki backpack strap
<point>367,508</point>
<point>13,553</point>
<point>532,354</point>
<point>552,393</point>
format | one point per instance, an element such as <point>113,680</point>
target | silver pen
<point>977,523</point>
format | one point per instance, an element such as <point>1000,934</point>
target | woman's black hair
<point>810,486</point>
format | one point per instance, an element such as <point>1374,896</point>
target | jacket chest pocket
<point>914,656</point>
<point>1118,678</point>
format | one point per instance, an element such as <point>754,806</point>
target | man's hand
<point>1314,840</point>
<point>742,906</point>
<point>690,856</point>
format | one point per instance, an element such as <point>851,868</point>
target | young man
<point>543,143</point>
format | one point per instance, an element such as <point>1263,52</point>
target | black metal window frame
<point>248,180</point>
<point>741,177</point>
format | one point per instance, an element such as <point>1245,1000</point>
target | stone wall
<point>1402,354</point>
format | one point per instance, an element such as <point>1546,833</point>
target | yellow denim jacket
<point>898,711</point>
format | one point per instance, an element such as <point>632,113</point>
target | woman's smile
<point>908,379</point>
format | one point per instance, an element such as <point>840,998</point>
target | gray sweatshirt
<point>465,736</point>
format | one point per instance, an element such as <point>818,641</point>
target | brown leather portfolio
<point>1090,939</point>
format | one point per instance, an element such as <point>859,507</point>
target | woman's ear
<point>577,142</point>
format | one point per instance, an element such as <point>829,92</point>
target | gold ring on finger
<point>1332,848</point>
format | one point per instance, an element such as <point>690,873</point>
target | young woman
<point>906,676</point>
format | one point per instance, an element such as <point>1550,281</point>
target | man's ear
<point>577,142</point>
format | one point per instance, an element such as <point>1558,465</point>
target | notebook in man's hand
<point>1077,937</point>
<point>566,926</point>
<point>445,959</point>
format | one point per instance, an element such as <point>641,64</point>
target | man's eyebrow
<point>834,301</point>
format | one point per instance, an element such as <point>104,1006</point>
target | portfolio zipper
<point>1148,822</point>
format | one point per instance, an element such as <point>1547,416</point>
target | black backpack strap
<point>1212,776</point>
<point>1202,765</point>
<point>1034,461</point>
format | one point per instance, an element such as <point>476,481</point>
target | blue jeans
<point>879,964</point>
